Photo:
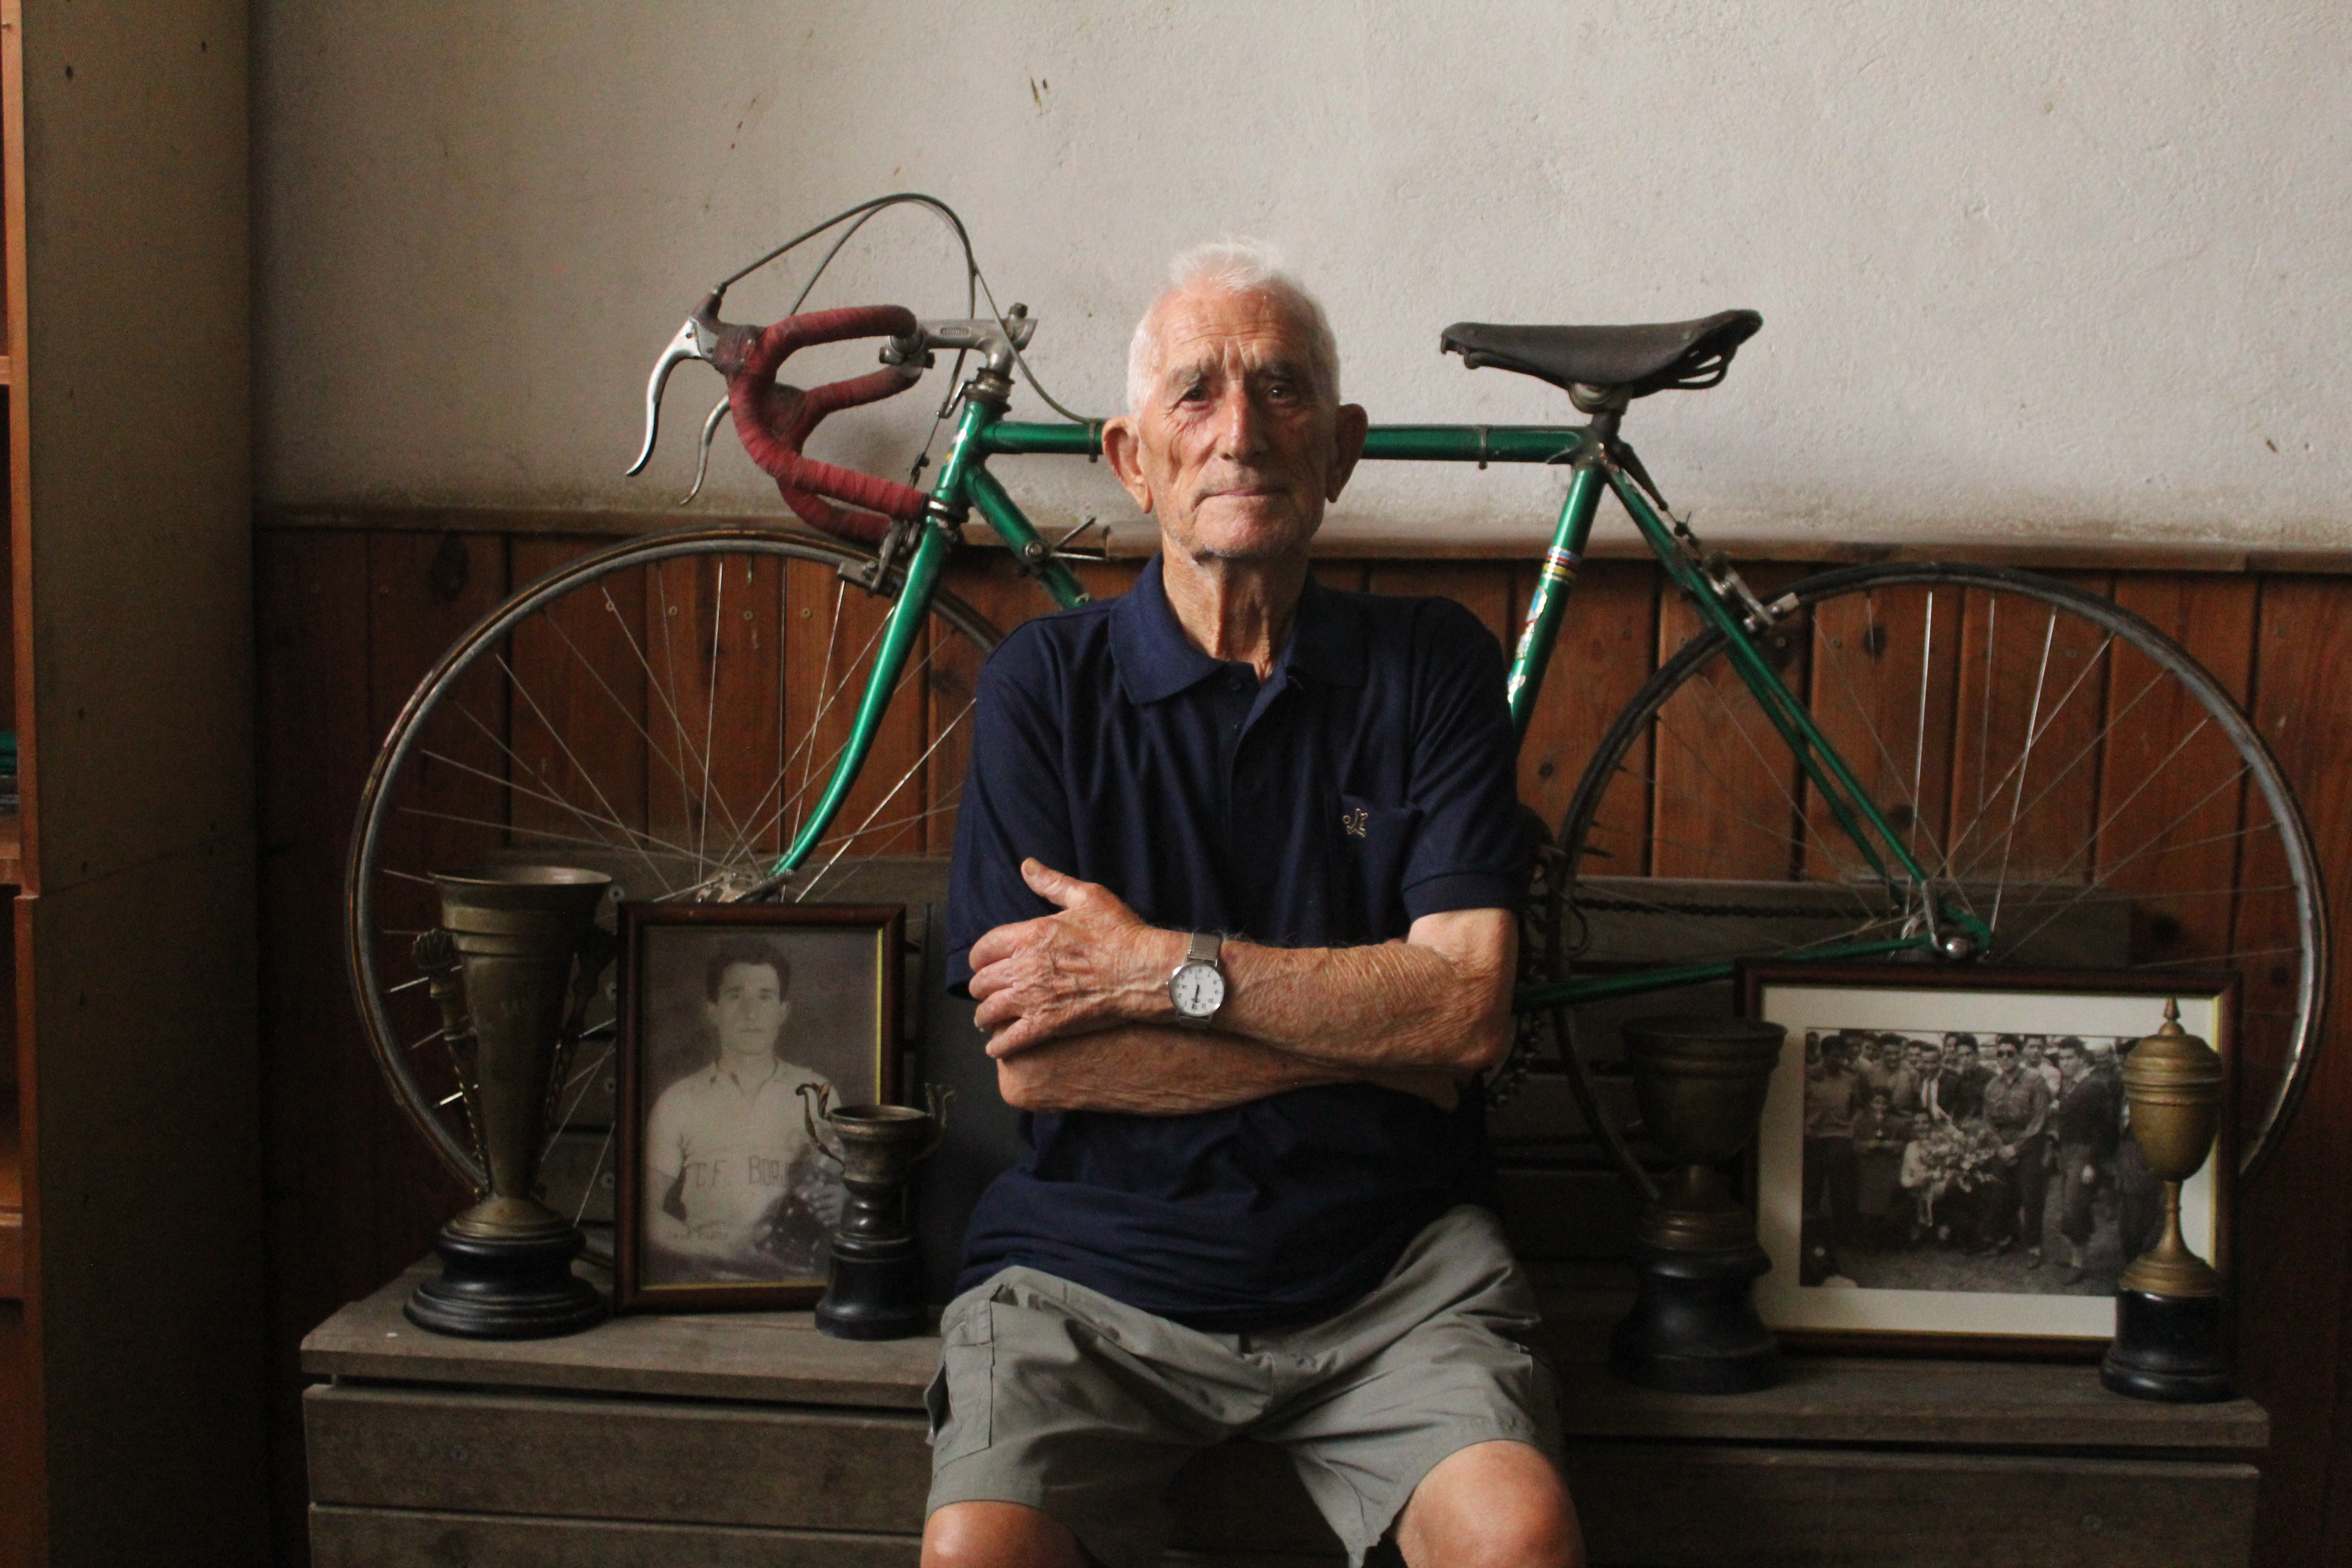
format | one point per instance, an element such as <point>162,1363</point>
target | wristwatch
<point>1197,986</point>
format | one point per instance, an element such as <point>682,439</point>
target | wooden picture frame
<point>721,1202</point>
<point>1895,1282</point>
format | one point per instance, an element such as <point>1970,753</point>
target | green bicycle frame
<point>964,484</point>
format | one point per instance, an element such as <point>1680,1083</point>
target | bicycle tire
<point>2153,830</point>
<point>560,728</point>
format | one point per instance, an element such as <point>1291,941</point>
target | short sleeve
<point>1013,803</point>
<point>1472,850</point>
<point>665,1135</point>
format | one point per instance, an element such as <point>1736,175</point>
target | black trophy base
<point>876,1295</point>
<point>507,1288</point>
<point>1693,1328</point>
<point>2168,1348</point>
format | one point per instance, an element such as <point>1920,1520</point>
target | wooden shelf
<point>12,844</point>
<point>7,372</point>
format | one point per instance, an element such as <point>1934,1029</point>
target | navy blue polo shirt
<point>1367,781</point>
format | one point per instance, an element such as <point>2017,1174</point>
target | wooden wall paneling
<point>2026,671</point>
<point>2295,1218</point>
<point>451,812</point>
<point>577,710</point>
<point>833,628</point>
<point>1883,682</point>
<point>990,583</point>
<point>1607,647</point>
<point>714,630</point>
<point>2173,796</point>
<point>325,1114</point>
<point>1725,800</point>
<point>1482,587</point>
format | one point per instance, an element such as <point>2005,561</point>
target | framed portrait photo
<point>724,1203</point>
<point>1946,1163</point>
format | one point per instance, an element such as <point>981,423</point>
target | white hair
<point>1233,266</point>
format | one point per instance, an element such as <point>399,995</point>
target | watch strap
<point>1207,947</point>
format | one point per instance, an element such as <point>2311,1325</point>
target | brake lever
<point>697,340</point>
<point>702,456</point>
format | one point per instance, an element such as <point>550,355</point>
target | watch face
<point>1198,990</point>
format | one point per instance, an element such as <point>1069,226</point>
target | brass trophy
<point>512,964</point>
<point>876,1288</point>
<point>1700,1082</point>
<point>2168,1329</point>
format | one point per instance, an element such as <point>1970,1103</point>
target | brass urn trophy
<point>512,965</point>
<point>1700,1083</point>
<point>2168,1329</point>
<point>876,1288</point>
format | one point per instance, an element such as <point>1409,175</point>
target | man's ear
<point>1348,436</point>
<point>1122,447</point>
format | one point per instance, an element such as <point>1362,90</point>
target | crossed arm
<point>1076,1007</point>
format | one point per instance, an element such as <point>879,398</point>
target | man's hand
<point>1419,1015</point>
<point>1093,966</point>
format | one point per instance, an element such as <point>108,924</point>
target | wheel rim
<point>662,711</point>
<point>2066,770</point>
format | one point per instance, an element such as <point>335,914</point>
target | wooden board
<point>1648,1502</point>
<point>381,1538</point>
<point>779,1358</point>
<point>708,1463</point>
<point>1724,1508</point>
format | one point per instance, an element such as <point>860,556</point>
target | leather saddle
<point>1609,362</point>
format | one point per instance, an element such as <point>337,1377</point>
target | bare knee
<point>997,1535</point>
<point>1492,1505</point>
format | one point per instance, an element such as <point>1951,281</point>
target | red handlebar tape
<point>773,420</point>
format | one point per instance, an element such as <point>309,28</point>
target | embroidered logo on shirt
<point>1355,822</point>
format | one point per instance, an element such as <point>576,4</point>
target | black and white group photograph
<point>1952,1161</point>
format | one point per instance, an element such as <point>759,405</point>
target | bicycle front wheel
<point>665,711</point>
<point>2059,767</point>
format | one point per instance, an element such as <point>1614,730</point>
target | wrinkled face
<point>750,1011</point>
<point>1237,450</point>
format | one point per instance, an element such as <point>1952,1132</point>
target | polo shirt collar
<point>1157,660</point>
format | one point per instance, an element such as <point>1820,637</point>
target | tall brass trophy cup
<point>1700,1083</point>
<point>2169,1332</point>
<point>512,965</point>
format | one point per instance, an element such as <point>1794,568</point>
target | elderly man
<point>1234,869</point>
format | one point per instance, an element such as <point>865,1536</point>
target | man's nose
<point>1241,423</point>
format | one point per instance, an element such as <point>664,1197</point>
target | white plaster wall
<point>2065,270</point>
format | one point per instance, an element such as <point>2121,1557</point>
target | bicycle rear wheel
<point>2060,768</point>
<point>665,711</point>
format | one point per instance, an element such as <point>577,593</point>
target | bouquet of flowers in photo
<point>1949,1155</point>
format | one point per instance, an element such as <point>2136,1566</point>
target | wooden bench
<point>752,1439</point>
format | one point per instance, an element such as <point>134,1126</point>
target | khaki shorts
<point>1057,1396</point>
